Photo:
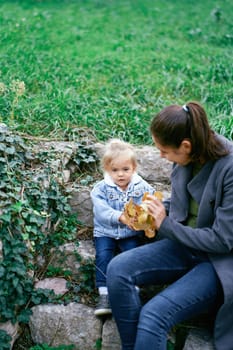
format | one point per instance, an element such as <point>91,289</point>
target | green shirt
<point>193,205</point>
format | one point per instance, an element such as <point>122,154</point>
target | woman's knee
<point>117,272</point>
<point>118,263</point>
<point>113,269</point>
<point>149,317</point>
<point>156,315</point>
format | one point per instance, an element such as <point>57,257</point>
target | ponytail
<point>175,123</point>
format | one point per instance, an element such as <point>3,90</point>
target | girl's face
<point>121,171</point>
<point>180,155</point>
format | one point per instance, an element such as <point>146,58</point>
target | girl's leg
<point>197,291</point>
<point>128,243</point>
<point>156,263</point>
<point>105,250</point>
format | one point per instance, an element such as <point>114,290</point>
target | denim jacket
<point>108,204</point>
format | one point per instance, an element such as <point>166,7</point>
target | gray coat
<point>212,188</point>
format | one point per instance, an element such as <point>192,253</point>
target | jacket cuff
<point>165,230</point>
<point>115,217</point>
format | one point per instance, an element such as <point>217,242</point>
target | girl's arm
<point>103,212</point>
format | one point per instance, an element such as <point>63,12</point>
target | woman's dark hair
<point>175,123</point>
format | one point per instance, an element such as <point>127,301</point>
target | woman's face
<point>180,155</point>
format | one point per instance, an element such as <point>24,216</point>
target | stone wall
<point>76,323</point>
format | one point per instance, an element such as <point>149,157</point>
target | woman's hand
<point>156,209</point>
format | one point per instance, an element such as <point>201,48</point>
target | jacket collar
<point>197,184</point>
<point>184,185</point>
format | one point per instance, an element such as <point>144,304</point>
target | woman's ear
<point>186,146</point>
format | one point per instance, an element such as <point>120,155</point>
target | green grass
<point>110,65</point>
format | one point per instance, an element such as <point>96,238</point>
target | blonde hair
<point>116,148</point>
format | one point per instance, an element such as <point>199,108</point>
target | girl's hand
<point>124,221</point>
<point>156,209</point>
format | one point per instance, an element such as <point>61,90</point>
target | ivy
<point>47,347</point>
<point>86,157</point>
<point>4,340</point>
<point>34,217</point>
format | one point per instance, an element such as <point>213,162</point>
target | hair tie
<point>185,108</point>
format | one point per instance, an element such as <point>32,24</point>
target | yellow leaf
<point>137,215</point>
<point>158,195</point>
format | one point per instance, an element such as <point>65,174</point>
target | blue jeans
<point>106,248</point>
<point>193,288</point>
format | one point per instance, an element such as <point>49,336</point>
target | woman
<point>193,251</point>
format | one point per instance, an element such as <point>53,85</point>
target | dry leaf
<point>138,217</point>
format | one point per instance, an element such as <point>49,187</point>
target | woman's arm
<point>217,238</point>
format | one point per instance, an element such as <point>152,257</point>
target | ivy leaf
<point>9,139</point>
<point>2,147</point>
<point>15,282</point>
<point>24,316</point>
<point>6,217</point>
<point>10,150</point>
<point>25,236</point>
<point>2,184</point>
<point>3,194</point>
<point>19,270</point>
<point>17,207</point>
<point>5,340</point>
<point>2,271</point>
<point>2,137</point>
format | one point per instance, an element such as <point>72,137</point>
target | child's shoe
<point>103,306</point>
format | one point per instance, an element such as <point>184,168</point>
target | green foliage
<point>5,340</point>
<point>86,157</point>
<point>87,277</point>
<point>170,346</point>
<point>109,66</point>
<point>57,271</point>
<point>223,126</point>
<point>35,216</point>
<point>47,347</point>
<point>98,344</point>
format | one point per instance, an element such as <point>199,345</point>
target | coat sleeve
<point>215,238</point>
<point>103,212</point>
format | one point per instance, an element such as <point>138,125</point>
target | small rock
<point>58,285</point>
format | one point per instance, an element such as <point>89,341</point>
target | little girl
<point>111,234</point>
